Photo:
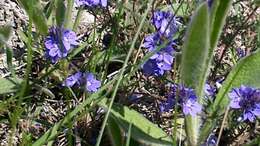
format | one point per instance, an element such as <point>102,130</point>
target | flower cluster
<point>165,23</point>
<point>86,79</point>
<point>162,60</point>
<point>59,42</point>
<point>247,100</point>
<point>186,98</point>
<point>91,3</point>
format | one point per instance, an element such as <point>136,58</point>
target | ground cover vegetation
<point>133,73</point>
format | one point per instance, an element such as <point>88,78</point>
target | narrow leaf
<point>218,15</point>
<point>114,132</point>
<point>60,12</point>
<point>37,15</point>
<point>5,32</point>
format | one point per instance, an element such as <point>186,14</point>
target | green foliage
<point>5,32</point>
<point>125,126</point>
<point>246,73</point>
<point>114,132</point>
<point>143,130</point>
<point>37,14</point>
<point>193,63</point>
<point>9,85</point>
<point>60,12</point>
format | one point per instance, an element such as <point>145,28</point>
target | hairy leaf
<point>193,62</point>
<point>246,72</point>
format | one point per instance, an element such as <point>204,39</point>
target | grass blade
<point>149,5</point>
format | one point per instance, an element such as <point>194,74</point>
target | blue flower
<point>210,90</point>
<point>191,107</point>
<point>162,60</point>
<point>247,100</point>
<point>210,2</point>
<point>186,98</point>
<point>165,106</point>
<point>240,53</point>
<point>83,79</point>
<point>59,42</point>
<point>211,141</point>
<point>75,79</point>
<point>92,84</point>
<point>165,23</point>
<point>91,3</point>
<point>151,68</point>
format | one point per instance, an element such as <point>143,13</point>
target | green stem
<point>149,6</point>
<point>76,23</point>
<point>67,22</point>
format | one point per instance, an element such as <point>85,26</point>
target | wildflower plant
<point>97,83</point>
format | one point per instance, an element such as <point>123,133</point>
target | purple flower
<point>247,100</point>
<point>75,79</point>
<point>210,91</point>
<point>151,68</point>
<point>83,79</point>
<point>240,53</point>
<point>59,42</point>
<point>211,141</point>
<point>165,106</point>
<point>91,3</point>
<point>92,84</point>
<point>210,2</point>
<point>165,23</point>
<point>191,107</point>
<point>162,60</point>
<point>186,98</point>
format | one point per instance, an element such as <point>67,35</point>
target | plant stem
<point>122,72</point>
<point>76,23</point>
<point>67,22</point>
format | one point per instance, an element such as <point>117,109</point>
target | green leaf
<point>68,14</point>
<point>114,132</point>
<point>5,32</point>
<point>143,130</point>
<point>8,85</point>
<point>48,9</point>
<point>218,16</point>
<point>257,2</point>
<point>60,12</point>
<point>37,14</point>
<point>247,73</point>
<point>193,64</point>
<point>195,50</point>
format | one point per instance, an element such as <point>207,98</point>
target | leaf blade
<point>193,63</point>
<point>37,15</point>
<point>144,132</point>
